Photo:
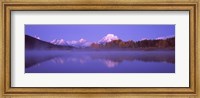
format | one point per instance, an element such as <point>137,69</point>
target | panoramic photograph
<point>99,48</point>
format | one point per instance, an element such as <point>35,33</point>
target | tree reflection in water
<point>110,59</point>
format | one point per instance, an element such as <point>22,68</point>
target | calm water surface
<point>100,61</point>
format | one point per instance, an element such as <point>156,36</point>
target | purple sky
<point>95,32</point>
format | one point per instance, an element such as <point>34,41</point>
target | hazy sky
<point>94,33</point>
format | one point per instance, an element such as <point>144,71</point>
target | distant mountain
<point>58,42</point>
<point>110,41</point>
<point>108,38</point>
<point>32,43</point>
<point>80,43</point>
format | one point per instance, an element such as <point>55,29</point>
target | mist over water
<point>100,61</point>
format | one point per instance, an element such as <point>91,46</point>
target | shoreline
<point>117,49</point>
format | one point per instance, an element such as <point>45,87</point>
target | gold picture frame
<point>119,5</point>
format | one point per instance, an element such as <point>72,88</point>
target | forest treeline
<point>157,43</point>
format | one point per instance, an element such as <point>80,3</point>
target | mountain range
<point>79,43</point>
<point>110,41</point>
<point>82,42</point>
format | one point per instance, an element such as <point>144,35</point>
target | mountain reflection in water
<point>100,62</point>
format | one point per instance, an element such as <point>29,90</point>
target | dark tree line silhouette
<point>157,43</point>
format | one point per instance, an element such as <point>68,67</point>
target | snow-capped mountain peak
<point>37,37</point>
<point>79,43</point>
<point>59,42</point>
<point>82,40</point>
<point>109,38</point>
<point>76,43</point>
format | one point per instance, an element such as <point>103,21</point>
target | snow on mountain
<point>108,38</point>
<point>37,37</point>
<point>82,40</point>
<point>166,37</point>
<point>59,42</point>
<point>84,43</point>
<point>79,43</point>
<point>144,39</point>
<point>160,38</point>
